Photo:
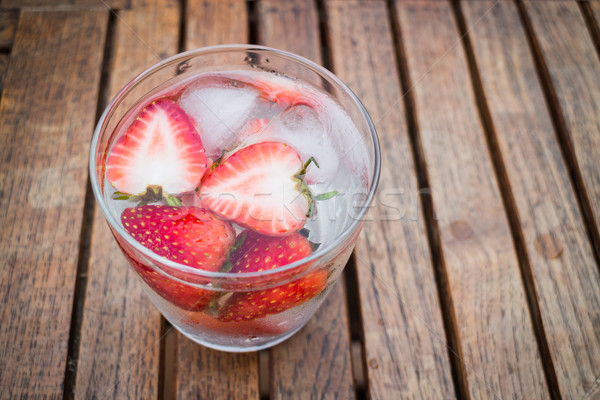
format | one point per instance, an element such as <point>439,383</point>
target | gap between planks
<point>592,24</point>
<point>562,131</point>
<point>509,204</point>
<point>446,302</point>
<point>87,226</point>
<point>349,276</point>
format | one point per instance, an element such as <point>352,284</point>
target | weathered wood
<point>202,372</point>
<point>404,340</point>
<point>46,118</point>
<point>119,353</point>
<point>282,23</point>
<point>574,70</point>
<point>316,362</point>
<point>562,261</point>
<point>8,25</point>
<point>212,22</point>
<point>48,5</point>
<point>499,350</point>
<point>4,59</point>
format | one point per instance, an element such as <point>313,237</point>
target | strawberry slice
<point>190,236</point>
<point>262,253</point>
<point>260,187</point>
<point>160,148</point>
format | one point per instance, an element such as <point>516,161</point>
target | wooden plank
<point>276,19</point>
<point>315,362</point>
<point>4,59</point>
<point>213,22</point>
<point>202,372</point>
<point>574,69</point>
<point>500,354</point>
<point>46,130</point>
<point>65,4</point>
<point>8,25</point>
<point>404,342</point>
<point>569,282</point>
<point>120,335</point>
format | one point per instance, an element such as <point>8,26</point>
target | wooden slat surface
<point>499,349</point>
<point>232,375</point>
<point>574,69</point>
<point>46,120</point>
<point>65,4</point>
<point>315,362</point>
<point>557,244</point>
<point>119,353</point>
<point>8,25</point>
<point>404,341</point>
<point>4,60</point>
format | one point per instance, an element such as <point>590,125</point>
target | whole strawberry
<point>261,253</point>
<point>190,236</point>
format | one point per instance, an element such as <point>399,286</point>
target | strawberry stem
<point>238,243</point>
<point>326,196</point>
<point>171,200</point>
<point>305,190</point>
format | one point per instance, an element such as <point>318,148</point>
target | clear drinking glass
<point>358,164</point>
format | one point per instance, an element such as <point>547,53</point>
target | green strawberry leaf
<point>326,196</point>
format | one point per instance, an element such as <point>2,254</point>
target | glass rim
<point>321,251</point>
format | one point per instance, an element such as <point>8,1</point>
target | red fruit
<point>282,95</point>
<point>161,148</point>
<point>183,296</point>
<point>254,126</point>
<point>261,253</point>
<point>189,236</point>
<point>260,187</point>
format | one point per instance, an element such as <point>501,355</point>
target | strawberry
<point>190,236</point>
<point>160,148</point>
<point>261,253</point>
<point>260,187</point>
<point>283,95</point>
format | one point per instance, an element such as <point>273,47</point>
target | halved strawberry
<point>160,148</point>
<point>262,253</point>
<point>260,187</point>
<point>189,236</point>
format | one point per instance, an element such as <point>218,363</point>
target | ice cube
<point>303,128</point>
<point>219,108</point>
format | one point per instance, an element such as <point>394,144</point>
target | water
<point>230,111</point>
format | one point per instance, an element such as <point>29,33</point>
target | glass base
<point>246,348</point>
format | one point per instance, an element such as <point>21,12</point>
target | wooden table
<point>476,275</point>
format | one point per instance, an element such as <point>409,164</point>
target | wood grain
<point>202,372</point>
<point>282,23</point>
<point>49,5</point>
<point>4,60</point>
<point>316,362</point>
<point>46,118</point>
<point>404,340</point>
<point>573,67</point>
<point>558,249</point>
<point>499,350</point>
<point>213,22</point>
<point>119,353</point>
<point>8,25</point>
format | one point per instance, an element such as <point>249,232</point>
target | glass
<point>358,156</point>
